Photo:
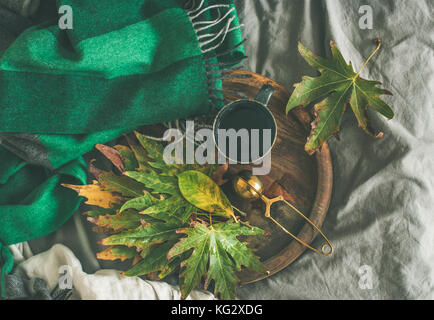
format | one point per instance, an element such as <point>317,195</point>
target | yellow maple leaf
<point>95,195</point>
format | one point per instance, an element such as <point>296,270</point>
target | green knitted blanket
<point>123,65</point>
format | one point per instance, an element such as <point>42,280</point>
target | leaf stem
<point>378,41</point>
<point>240,211</point>
<point>246,224</point>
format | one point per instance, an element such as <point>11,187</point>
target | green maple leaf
<point>155,156</point>
<point>128,158</point>
<point>145,236</point>
<point>126,186</point>
<point>173,209</point>
<point>172,265</point>
<point>155,259</point>
<point>341,86</point>
<point>118,222</point>
<point>139,155</point>
<point>217,253</point>
<point>157,183</point>
<point>139,203</point>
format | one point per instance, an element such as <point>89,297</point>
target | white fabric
<point>20,252</point>
<point>102,285</point>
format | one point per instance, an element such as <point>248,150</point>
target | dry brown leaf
<point>113,155</point>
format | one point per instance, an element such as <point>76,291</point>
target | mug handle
<point>265,94</point>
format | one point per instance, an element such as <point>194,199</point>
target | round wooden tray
<point>304,180</point>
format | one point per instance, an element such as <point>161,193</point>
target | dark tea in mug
<point>248,127</point>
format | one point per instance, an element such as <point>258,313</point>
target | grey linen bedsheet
<point>381,217</point>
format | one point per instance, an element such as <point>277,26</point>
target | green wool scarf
<point>124,64</point>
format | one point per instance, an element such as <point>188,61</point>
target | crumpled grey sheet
<point>381,217</point>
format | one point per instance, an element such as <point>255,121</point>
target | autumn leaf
<point>126,186</point>
<point>340,85</point>
<point>214,250</point>
<point>155,182</point>
<point>118,222</point>
<point>154,260</point>
<point>173,209</point>
<point>95,195</point>
<point>172,265</point>
<point>139,155</point>
<point>113,155</point>
<point>154,150</point>
<point>128,158</point>
<point>155,155</point>
<point>96,212</point>
<point>140,203</point>
<point>202,192</point>
<point>144,236</point>
<point>117,253</point>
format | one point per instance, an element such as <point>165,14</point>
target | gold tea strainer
<point>249,186</point>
